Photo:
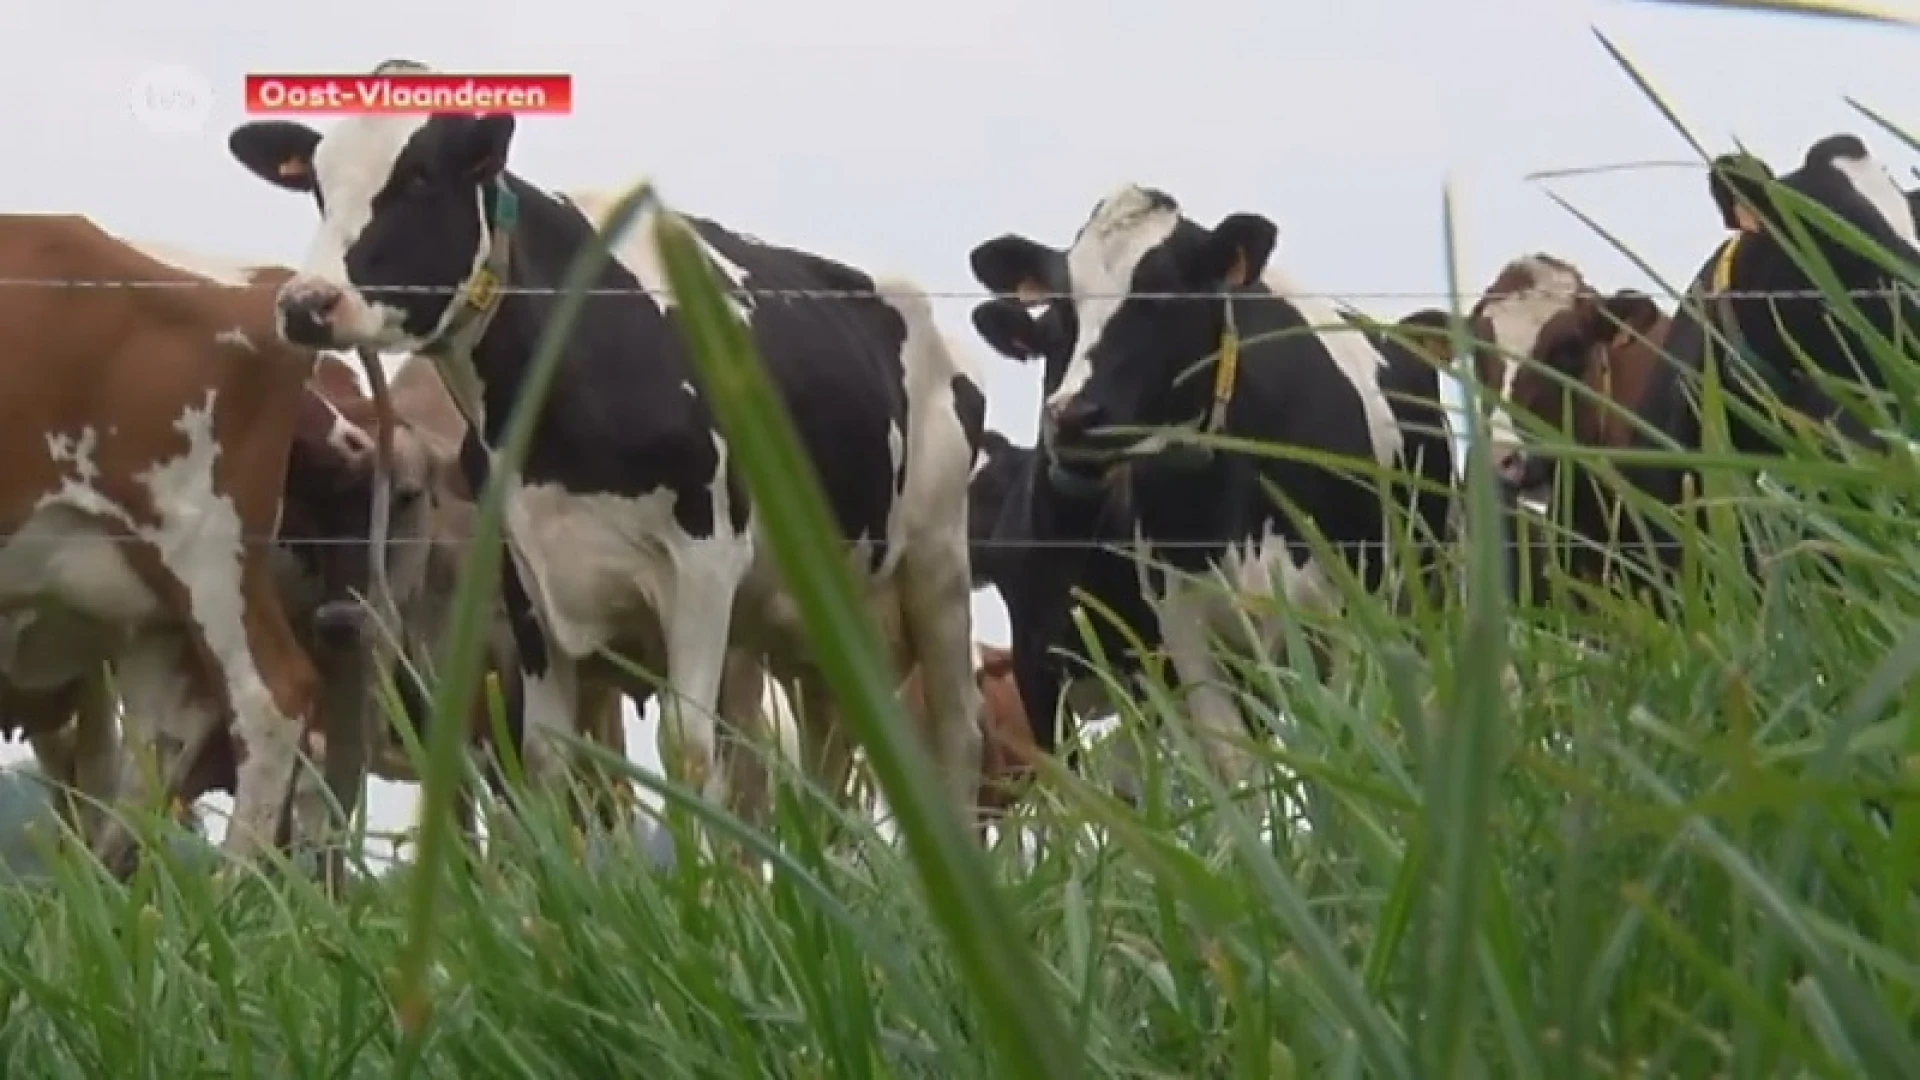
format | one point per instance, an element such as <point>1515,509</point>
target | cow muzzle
<point>1520,472</point>
<point>338,624</point>
<point>309,310</point>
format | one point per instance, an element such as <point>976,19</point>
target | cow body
<point>1210,521</point>
<point>1034,580</point>
<point>147,433</point>
<point>628,526</point>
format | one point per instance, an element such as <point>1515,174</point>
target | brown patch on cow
<point>1007,750</point>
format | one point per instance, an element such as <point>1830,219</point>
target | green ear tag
<point>506,205</point>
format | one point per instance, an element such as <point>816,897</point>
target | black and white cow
<point>1305,378</point>
<point>628,524</point>
<point>1035,579</point>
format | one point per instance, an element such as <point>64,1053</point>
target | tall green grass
<point>1653,860</point>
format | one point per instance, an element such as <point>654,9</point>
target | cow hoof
<point>337,624</point>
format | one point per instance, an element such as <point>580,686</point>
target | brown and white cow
<point>1526,293</point>
<point>319,560</point>
<point>146,433</point>
<point>1545,333</point>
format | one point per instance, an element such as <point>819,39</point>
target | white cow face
<point>405,202</point>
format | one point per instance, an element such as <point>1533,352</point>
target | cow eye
<point>417,182</point>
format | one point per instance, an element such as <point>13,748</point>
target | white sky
<point>896,134</point>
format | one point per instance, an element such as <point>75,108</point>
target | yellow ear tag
<point>1226,371</point>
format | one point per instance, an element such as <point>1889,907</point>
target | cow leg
<point>272,688</point>
<point>168,712</point>
<point>706,577</point>
<point>55,753</point>
<point>552,696</point>
<point>750,738</point>
<point>1186,622</point>
<point>936,597</point>
<point>826,754</point>
<point>600,710</point>
<point>549,699</point>
<point>96,752</point>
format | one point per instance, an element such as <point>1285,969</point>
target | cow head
<point>406,204</point>
<point>1608,345</point>
<point>1841,176</point>
<point>1128,350</point>
<point>328,504</point>
<point>1506,322</point>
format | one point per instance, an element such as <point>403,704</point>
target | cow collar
<point>1720,284</point>
<point>1226,380</point>
<point>474,305</point>
<point>1226,371</point>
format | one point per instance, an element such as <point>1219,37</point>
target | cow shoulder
<point>1357,359</point>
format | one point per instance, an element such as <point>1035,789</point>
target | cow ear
<point>1237,250</point>
<point>1009,328</point>
<point>277,151</point>
<point>993,445</point>
<point>1630,308</point>
<point>1025,268</point>
<point>1736,178</point>
<point>484,146</point>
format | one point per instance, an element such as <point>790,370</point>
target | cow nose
<point>1510,465</point>
<point>306,309</point>
<point>337,624</point>
<point>1074,417</point>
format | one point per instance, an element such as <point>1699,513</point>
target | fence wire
<point>1465,299</point>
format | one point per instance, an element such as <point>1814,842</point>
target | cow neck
<point>451,346</point>
<point>1212,420</point>
<point>1720,284</point>
<point>1167,452</point>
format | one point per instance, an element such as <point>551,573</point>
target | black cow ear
<point>483,149</point>
<point>1009,328</point>
<point>1736,178</point>
<point>277,151</point>
<point>1025,268</point>
<point>1237,250</point>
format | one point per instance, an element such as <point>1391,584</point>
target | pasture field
<point>1664,845</point>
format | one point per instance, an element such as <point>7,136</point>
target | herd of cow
<point>192,469</point>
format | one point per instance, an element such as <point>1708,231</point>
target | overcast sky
<point>896,134</point>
